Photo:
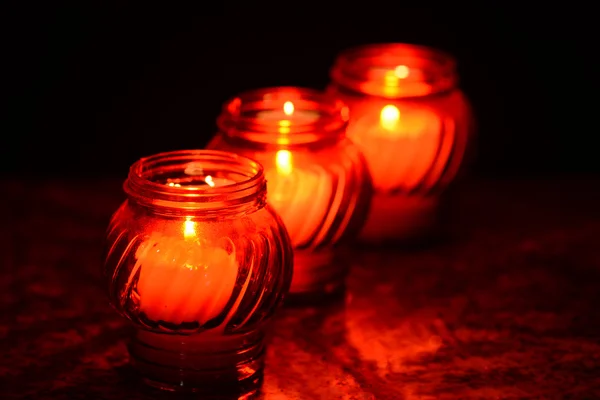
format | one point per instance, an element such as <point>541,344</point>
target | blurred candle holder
<point>198,262</point>
<point>413,124</point>
<point>318,179</point>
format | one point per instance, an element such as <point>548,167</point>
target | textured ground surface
<point>509,308</point>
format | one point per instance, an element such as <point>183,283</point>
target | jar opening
<point>395,70</point>
<point>196,180</point>
<point>284,116</point>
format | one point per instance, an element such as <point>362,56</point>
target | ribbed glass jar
<point>318,180</point>
<point>413,124</point>
<point>198,262</point>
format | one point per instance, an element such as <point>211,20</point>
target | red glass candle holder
<point>413,125</point>
<point>198,262</point>
<point>318,180</point>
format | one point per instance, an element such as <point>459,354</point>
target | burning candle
<point>300,196</point>
<point>198,263</point>
<point>412,123</point>
<point>317,179</point>
<point>404,147</point>
<point>400,146</point>
<point>182,280</point>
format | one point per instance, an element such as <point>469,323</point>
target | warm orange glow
<point>209,181</point>
<point>284,124</point>
<point>283,161</point>
<point>391,79</point>
<point>173,184</point>
<point>302,194</point>
<point>288,108</point>
<point>402,145</point>
<point>389,117</point>
<point>189,229</point>
<point>181,280</point>
<point>401,71</point>
<point>284,128</point>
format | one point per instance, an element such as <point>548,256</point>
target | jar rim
<point>395,70</point>
<point>242,116</point>
<point>246,179</point>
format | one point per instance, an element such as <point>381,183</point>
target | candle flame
<point>288,108</point>
<point>189,228</point>
<point>401,71</point>
<point>284,125</point>
<point>283,161</point>
<point>209,181</point>
<point>389,117</point>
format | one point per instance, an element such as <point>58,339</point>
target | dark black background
<point>93,86</point>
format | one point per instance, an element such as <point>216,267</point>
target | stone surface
<point>508,307</point>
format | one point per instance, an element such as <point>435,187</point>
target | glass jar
<point>198,262</point>
<point>318,180</point>
<point>413,125</point>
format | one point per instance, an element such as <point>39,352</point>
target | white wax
<point>301,198</point>
<point>182,281</point>
<point>400,154</point>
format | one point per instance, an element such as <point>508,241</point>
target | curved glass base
<point>317,273</point>
<point>248,389</point>
<point>400,218</point>
<point>211,365</point>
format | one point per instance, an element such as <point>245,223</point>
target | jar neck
<point>395,70</point>
<point>197,183</point>
<point>283,117</point>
